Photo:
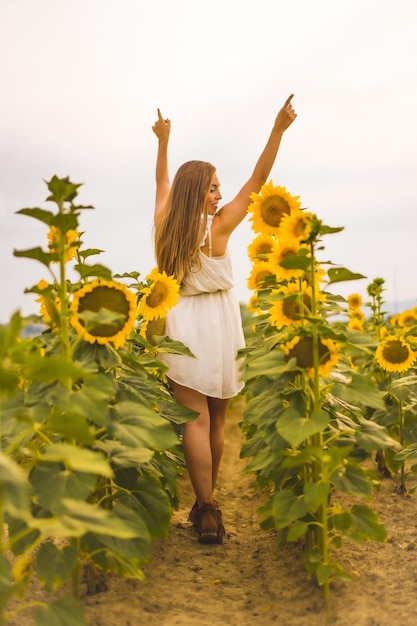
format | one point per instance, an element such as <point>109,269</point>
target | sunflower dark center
<point>292,308</point>
<point>157,294</point>
<point>395,352</point>
<point>303,353</point>
<point>272,210</point>
<point>103,297</point>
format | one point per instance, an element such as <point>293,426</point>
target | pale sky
<point>82,79</point>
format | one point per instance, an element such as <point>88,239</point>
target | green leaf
<point>120,455</point>
<point>14,494</point>
<point>90,252</point>
<point>316,494</point>
<point>64,612</point>
<point>296,429</point>
<point>97,270</point>
<point>338,274</point>
<point>330,230</point>
<point>372,436</point>
<point>361,390</point>
<point>77,459</point>
<point>62,189</point>
<point>92,518</point>
<point>410,452</point>
<point>136,425</point>
<point>38,254</point>
<point>367,523</point>
<point>55,564</point>
<point>297,530</point>
<point>39,214</point>
<point>51,483</point>
<point>354,480</point>
<point>287,508</point>
<point>51,369</point>
<point>152,503</point>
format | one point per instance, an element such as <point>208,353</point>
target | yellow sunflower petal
<point>269,206</point>
<point>394,354</point>
<point>158,297</point>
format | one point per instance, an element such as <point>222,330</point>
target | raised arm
<point>234,212</point>
<point>162,129</point>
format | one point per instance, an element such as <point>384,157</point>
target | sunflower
<point>159,296</point>
<point>49,302</point>
<point>150,328</point>
<point>253,304</point>
<point>269,206</point>
<point>292,307</point>
<point>354,301</point>
<point>260,271</point>
<point>301,348</point>
<point>394,354</point>
<point>107,296</point>
<point>407,318</point>
<point>71,236</point>
<point>297,225</point>
<point>260,246</point>
<point>281,252</point>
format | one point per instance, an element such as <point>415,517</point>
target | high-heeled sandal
<point>210,523</point>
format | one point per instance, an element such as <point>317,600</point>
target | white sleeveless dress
<point>207,319</point>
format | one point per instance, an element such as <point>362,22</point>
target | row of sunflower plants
<point>90,445</point>
<point>316,390</point>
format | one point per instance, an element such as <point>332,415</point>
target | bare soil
<point>247,581</point>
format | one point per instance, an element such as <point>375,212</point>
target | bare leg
<point>196,442</point>
<point>217,408</point>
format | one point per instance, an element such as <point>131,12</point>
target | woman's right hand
<point>162,127</point>
<point>286,115</point>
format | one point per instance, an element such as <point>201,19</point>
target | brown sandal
<point>209,523</point>
<point>192,515</point>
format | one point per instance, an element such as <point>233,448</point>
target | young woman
<point>191,237</point>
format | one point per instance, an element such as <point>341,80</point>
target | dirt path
<point>245,582</point>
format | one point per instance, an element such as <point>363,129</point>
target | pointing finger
<point>288,100</point>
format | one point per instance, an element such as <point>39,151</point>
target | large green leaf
<point>64,612</point>
<point>372,436</point>
<point>37,254</point>
<point>271,365</point>
<point>367,523</point>
<point>361,390</point>
<point>352,479</point>
<point>316,494</point>
<point>14,494</point>
<point>39,214</point>
<point>120,455</point>
<point>136,425</point>
<point>76,458</point>
<point>78,518</point>
<point>287,508</point>
<point>51,483</point>
<point>55,564</point>
<point>54,368</point>
<point>152,503</point>
<point>295,429</point>
<point>410,452</point>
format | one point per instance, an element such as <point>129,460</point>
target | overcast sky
<point>82,79</point>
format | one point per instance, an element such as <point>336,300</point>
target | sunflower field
<point>91,436</point>
<point>330,391</point>
<point>90,446</point>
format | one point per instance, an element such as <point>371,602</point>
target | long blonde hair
<point>179,232</point>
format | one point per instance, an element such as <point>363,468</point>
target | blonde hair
<point>179,232</point>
